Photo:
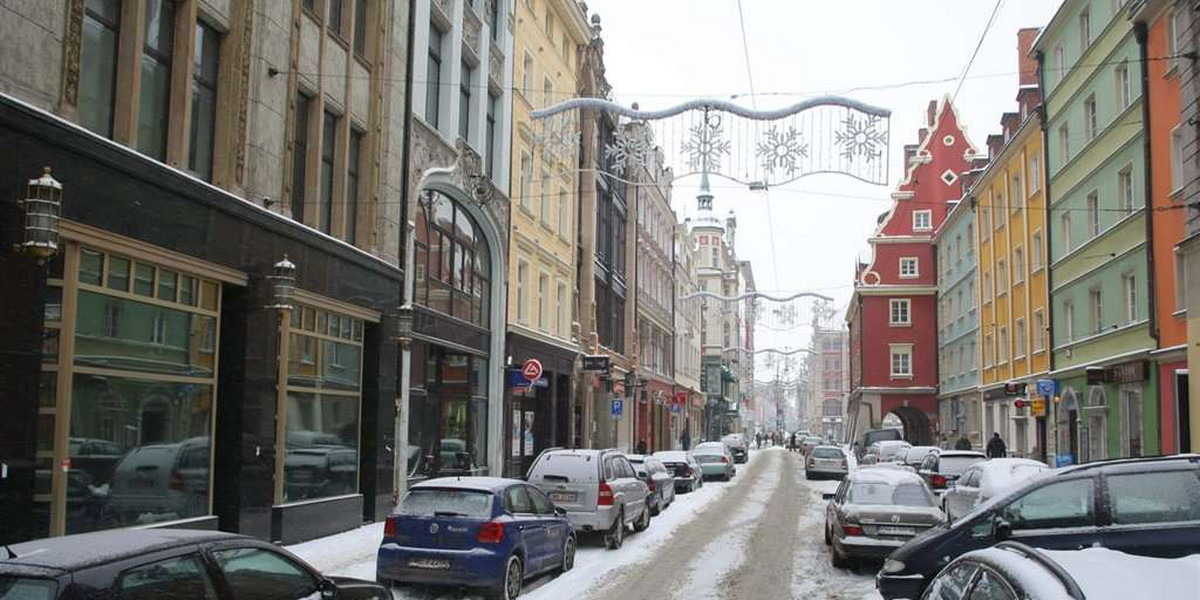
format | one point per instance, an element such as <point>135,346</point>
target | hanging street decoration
<point>758,148</point>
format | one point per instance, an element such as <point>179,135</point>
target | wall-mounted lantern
<point>404,325</point>
<point>283,284</point>
<point>41,209</point>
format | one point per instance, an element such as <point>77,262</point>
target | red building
<point>893,313</point>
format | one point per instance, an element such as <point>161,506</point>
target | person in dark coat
<point>685,440</point>
<point>641,447</point>
<point>964,443</point>
<point>996,447</point>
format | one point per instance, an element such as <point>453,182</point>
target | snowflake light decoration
<point>705,146</point>
<point>861,137</point>
<point>781,150</point>
<point>628,151</point>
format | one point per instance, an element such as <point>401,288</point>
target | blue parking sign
<point>618,406</point>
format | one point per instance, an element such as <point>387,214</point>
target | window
<point>543,292</point>
<point>545,196</point>
<point>1035,174</point>
<point>971,293</point>
<point>493,18</point>
<point>1060,62</point>
<point>991,587</point>
<point>1176,159</point>
<point>988,350</point>
<point>1085,29</point>
<point>1064,142</point>
<point>547,92</point>
<point>526,178</point>
<point>154,103</point>
<point>522,282</point>
<point>258,574</point>
<point>1125,185</point>
<point>970,238</point>
<point>464,102</point>
<point>433,77</point>
<point>1039,331</point>
<point>952,584</point>
<point>901,360</point>
<point>1121,78</point>
<point>452,264</point>
<point>1069,320</point>
<point>1064,504</point>
<point>1065,219</point>
<point>353,166</point>
<point>1017,194</point>
<point>490,134</point>
<point>1021,336</point>
<point>1036,248</point>
<point>1180,280</point>
<point>300,156</point>
<point>527,76</point>
<point>182,577</point>
<point>310,5</point>
<point>334,22</point>
<point>1131,423</point>
<point>561,326</point>
<point>564,212</point>
<point>900,311</point>
<point>958,249</point>
<point>1018,264</point>
<point>1093,213</point>
<point>360,28</point>
<point>1002,354</point>
<point>962,306</point>
<point>1129,285</point>
<point>908,267</point>
<point>1173,29</point>
<point>987,287</point>
<point>922,220</point>
<point>1001,277</point>
<point>1097,303</point>
<point>1089,118</point>
<point>328,145</point>
<point>1153,497</point>
<point>98,65</point>
<point>204,101</point>
<point>985,220</point>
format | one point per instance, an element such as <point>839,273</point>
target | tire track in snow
<point>766,566</point>
<point>813,576</point>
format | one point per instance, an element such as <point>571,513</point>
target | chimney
<point>931,113</point>
<point>921,135</point>
<point>1026,64</point>
<point>995,144</point>
<point>910,152</point>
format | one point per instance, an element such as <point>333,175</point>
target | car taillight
<point>938,481</point>
<point>852,530</point>
<point>812,463</point>
<point>389,527</point>
<point>606,496</point>
<point>650,484</point>
<point>491,532</point>
<point>725,460</point>
<point>690,471</point>
<point>176,481</point>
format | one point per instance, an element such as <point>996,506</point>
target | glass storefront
<point>447,422</point>
<point>323,390</point>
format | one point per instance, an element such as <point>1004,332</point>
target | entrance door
<point>1182,412</point>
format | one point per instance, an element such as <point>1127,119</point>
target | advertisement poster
<point>516,433</point>
<point>529,433</point>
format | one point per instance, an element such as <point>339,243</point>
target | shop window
<point>453,264</point>
<point>447,432</point>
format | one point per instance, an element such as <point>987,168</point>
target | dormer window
<point>922,220</point>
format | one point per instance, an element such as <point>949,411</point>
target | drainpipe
<point>1139,32</point>
<point>1051,419</point>
<point>400,434</point>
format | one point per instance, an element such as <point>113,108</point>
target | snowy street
<point>759,536</point>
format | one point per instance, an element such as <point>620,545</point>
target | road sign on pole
<point>532,369</point>
<point>618,406</point>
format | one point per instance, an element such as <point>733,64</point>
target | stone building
<point>690,413</point>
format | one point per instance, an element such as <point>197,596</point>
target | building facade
<point>1099,236</point>
<point>544,191</point>
<point>1187,28</point>
<point>958,328</point>
<point>690,412</point>
<point>829,376</point>
<point>208,154</point>
<point>892,315</point>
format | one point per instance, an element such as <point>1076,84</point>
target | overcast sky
<point>661,52</point>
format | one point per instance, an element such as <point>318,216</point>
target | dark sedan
<point>876,510</point>
<point>153,564</point>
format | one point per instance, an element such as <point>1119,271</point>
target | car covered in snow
<point>876,510</point>
<point>1014,571</point>
<point>478,532</point>
<point>715,460</point>
<point>887,450</point>
<point>739,447</point>
<point>685,469</point>
<point>826,462</point>
<point>599,489</point>
<point>658,478</point>
<point>985,480</point>
<point>912,456</point>
<point>153,564</point>
<point>942,468</point>
<point>1145,506</point>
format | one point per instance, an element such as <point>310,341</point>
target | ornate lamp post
<point>283,284</point>
<point>41,209</point>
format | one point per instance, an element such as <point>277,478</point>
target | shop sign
<point>516,379</point>
<point>595,362</point>
<point>1064,459</point>
<point>532,369</point>
<point>1045,387</point>
<point>1131,372</point>
<point>1037,407</point>
<point>681,397</point>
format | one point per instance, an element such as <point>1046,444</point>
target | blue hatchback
<point>479,532</point>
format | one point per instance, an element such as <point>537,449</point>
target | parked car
<point>879,435</point>
<point>150,564</point>
<point>320,471</point>
<point>656,477</point>
<point>1147,506</point>
<point>715,460</point>
<point>985,480</point>
<point>1012,570</point>
<point>160,482</point>
<point>477,532</point>
<point>826,462</point>
<point>941,469</point>
<point>888,450</point>
<point>598,488</point>
<point>687,472</point>
<point>875,511</point>
<point>810,442</point>
<point>912,456</point>
<point>738,447</point>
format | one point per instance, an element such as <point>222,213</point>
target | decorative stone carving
<point>243,108</point>
<point>73,42</point>
<point>471,29</point>
<point>496,65</point>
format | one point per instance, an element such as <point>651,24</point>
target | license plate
<point>429,563</point>
<point>887,530</point>
<point>563,496</point>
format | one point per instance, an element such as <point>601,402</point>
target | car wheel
<point>510,586</point>
<point>839,560</point>
<point>657,507</point>
<point>828,539</point>
<point>568,562</point>
<point>615,536</point>
<point>643,522</point>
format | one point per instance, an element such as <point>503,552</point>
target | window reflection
<point>452,263</point>
<point>447,427</point>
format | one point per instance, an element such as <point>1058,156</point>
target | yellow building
<point>1009,200</point>
<point>547,38</point>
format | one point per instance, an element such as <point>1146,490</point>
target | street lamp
<point>42,207</point>
<point>283,284</point>
<point>404,325</point>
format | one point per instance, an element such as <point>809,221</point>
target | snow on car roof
<point>885,476</point>
<point>1000,475</point>
<point>671,455</point>
<point>485,484</point>
<point>1101,573</point>
<point>890,443</point>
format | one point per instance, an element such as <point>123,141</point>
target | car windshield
<point>24,588</point>
<point>955,465</point>
<point>904,494</point>
<point>461,503</point>
<point>826,453</point>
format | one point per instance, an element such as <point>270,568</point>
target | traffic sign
<point>675,407</point>
<point>532,369</point>
<point>1020,403</point>
<point>1045,387</point>
<point>618,406</point>
<point>1038,407</point>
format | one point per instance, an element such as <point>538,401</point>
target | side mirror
<point>1001,529</point>
<point>827,496</point>
<point>560,511</point>
<point>641,475</point>
<point>328,589</point>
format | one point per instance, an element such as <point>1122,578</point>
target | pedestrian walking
<point>996,447</point>
<point>641,447</point>
<point>792,446</point>
<point>758,439</point>
<point>685,440</point>
<point>963,443</point>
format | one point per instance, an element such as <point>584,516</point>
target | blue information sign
<point>618,406</point>
<point>1045,387</point>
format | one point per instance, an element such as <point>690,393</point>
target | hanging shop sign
<point>597,362</point>
<point>532,369</point>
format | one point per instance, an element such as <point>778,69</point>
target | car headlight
<point>892,565</point>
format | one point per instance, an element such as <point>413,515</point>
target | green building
<point>1091,78</point>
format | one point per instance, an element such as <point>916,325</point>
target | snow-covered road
<point>757,537</point>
